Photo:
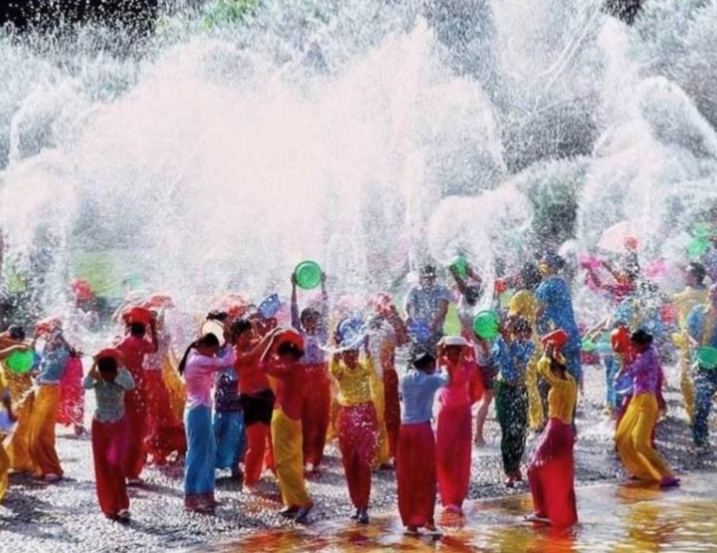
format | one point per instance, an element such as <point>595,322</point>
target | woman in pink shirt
<point>198,366</point>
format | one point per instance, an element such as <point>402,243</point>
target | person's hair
<point>107,364</point>
<point>16,332</point>
<point>208,340</point>
<point>554,261</point>
<point>641,337</point>
<point>239,327</point>
<point>422,360</point>
<point>557,365</point>
<point>289,348</point>
<point>307,313</point>
<point>522,325</point>
<point>699,270</point>
<point>530,275</point>
<point>220,316</point>
<point>137,329</point>
<point>473,293</point>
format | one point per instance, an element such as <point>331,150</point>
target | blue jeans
<point>229,435</point>
<point>705,388</point>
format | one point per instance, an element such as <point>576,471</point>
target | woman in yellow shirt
<point>552,470</point>
<point>358,424</point>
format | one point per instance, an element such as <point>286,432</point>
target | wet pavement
<point>64,517</point>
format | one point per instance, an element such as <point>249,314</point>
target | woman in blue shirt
<point>416,447</point>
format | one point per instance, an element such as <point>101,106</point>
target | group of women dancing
<point>259,393</point>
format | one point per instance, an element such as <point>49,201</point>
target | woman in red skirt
<point>358,424</point>
<point>416,449</point>
<point>110,432</point>
<point>552,470</point>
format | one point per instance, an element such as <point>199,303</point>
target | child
<point>110,381</point>
<point>358,424</point>
<point>551,471</point>
<point>283,363</point>
<point>416,448</point>
<point>511,353</point>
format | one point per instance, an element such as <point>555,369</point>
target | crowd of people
<point>262,396</point>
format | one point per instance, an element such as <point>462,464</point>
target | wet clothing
<point>72,395</point>
<point>288,457</point>
<point>416,474</point>
<point>228,420</point>
<point>110,395</point>
<point>418,391</point>
<point>42,431</point>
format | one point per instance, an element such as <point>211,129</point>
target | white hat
<point>453,341</point>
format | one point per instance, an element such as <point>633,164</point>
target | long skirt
<point>551,475</point>
<point>161,426</point>
<point>633,440</point>
<point>201,457</point>
<point>453,453</point>
<point>72,395</point>
<point>286,436</point>
<point>229,436</point>
<point>42,431</point>
<point>416,474</point>
<point>175,386</point>
<point>358,430</point>
<point>4,469</point>
<point>109,445</point>
<point>258,411</point>
<point>511,406</point>
<point>135,403</point>
<point>392,409</point>
<point>18,450</point>
<point>536,418</point>
<point>316,413</point>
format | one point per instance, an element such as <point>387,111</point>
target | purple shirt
<point>645,372</point>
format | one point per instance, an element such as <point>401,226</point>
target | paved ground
<point>39,517</point>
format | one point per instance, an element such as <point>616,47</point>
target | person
<point>387,332</point>
<point>523,304</point>
<point>198,367</point>
<point>416,448</point>
<point>487,371</point>
<point>702,329</point>
<point>7,421</point>
<point>228,421</point>
<point>110,381</point>
<point>555,310</point>
<point>20,387</point>
<point>256,396</point>
<point>632,437</point>
<point>71,411</point>
<point>312,323</point>
<point>511,353</point>
<point>551,472</point>
<point>694,294</point>
<point>427,303</point>
<point>454,421</point>
<point>55,355</point>
<point>134,348</point>
<point>470,288</point>
<point>358,422</point>
<point>281,360</point>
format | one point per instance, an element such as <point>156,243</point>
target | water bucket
<point>269,306</point>
<point>486,325</point>
<point>588,346</point>
<point>350,332</point>
<point>308,275</point>
<point>707,357</point>
<point>460,266</point>
<point>419,330</point>
<point>216,328</point>
<point>20,362</point>
<point>138,315</point>
<point>623,385</point>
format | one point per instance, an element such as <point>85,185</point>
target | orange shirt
<point>291,381</point>
<point>252,379</point>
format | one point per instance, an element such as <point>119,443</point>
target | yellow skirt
<point>633,440</point>
<point>42,431</point>
<point>4,468</point>
<point>289,459</point>
<point>383,455</point>
<point>18,449</point>
<point>175,386</point>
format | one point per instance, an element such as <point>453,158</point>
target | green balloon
<point>486,324</point>
<point>20,362</point>
<point>707,357</point>
<point>698,247</point>
<point>702,230</point>
<point>308,274</point>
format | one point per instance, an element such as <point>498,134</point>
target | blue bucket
<point>419,330</point>
<point>269,306</point>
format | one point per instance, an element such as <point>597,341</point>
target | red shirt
<point>252,379</point>
<point>134,349</point>
<point>290,386</point>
